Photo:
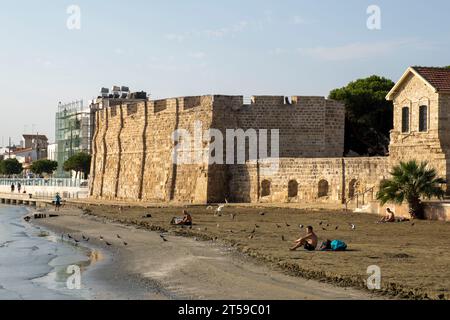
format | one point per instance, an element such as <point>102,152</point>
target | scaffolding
<point>74,126</point>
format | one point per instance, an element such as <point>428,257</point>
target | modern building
<point>73,132</point>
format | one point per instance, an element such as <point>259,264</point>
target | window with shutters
<point>423,118</point>
<point>405,120</point>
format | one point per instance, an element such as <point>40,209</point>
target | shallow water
<point>33,263</point>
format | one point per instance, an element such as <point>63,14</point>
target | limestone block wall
<point>133,150</point>
<point>309,180</point>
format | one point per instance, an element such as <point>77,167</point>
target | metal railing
<point>51,182</point>
<point>358,196</point>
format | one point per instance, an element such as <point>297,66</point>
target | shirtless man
<point>309,242</point>
<point>187,219</point>
<point>390,216</point>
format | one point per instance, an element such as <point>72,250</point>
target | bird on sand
<point>337,227</point>
<point>101,238</point>
<point>262,213</point>
<point>256,226</point>
<point>287,224</point>
<point>108,244</point>
<point>76,241</point>
<point>119,237</point>
<point>278,226</point>
<point>162,237</point>
<point>324,229</point>
<point>125,244</point>
<point>69,236</point>
<point>353,226</point>
<point>251,237</point>
<point>320,223</point>
<point>85,238</point>
<point>301,226</point>
<point>413,224</point>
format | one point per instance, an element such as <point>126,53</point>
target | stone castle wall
<point>304,180</point>
<point>133,147</point>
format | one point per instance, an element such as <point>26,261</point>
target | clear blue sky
<point>190,47</point>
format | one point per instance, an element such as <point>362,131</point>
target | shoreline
<point>188,268</point>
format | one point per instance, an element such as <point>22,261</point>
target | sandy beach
<point>181,268</point>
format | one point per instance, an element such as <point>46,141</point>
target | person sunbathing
<point>390,217</point>
<point>309,242</point>
<point>185,221</point>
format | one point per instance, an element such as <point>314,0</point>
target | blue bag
<point>338,245</point>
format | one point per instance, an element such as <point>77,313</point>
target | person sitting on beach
<point>390,217</point>
<point>57,202</point>
<point>309,242</point>
<point>185,221</point>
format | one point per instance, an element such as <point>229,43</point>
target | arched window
<point>423,118</point>
<point>352,188</point>
<point>292,189</point>
<point>265,188</point>
<point>405,120</point>
<point>323,188</point>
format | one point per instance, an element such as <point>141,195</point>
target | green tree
<point>410,182</point>
<point>80,163</point>
<point>369,116</point>
<point>10,167</point>
<point>43,166</point>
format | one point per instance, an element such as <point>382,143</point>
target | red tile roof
<point>439,78</point>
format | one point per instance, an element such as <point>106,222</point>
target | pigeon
<point>118,237</point>
<point>287,224</point>
<point>101,238</point>
<point>301,226</point>
<point>162,237</point>
<point>352,226</point>
<point>125,244</point>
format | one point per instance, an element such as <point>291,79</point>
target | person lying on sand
<point>309,242</point>
<point>185,221</point>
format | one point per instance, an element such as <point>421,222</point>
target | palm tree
<point>410,182</point>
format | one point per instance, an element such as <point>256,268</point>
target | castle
<point>133,146</point>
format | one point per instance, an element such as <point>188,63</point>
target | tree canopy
<point>369,116</point>
<point>43,166</point>
<point>80,163</point>
<point>10,167</point>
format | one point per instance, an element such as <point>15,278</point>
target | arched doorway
<point>265,188</point>
<point>292,189</point>
<point>323,188</point>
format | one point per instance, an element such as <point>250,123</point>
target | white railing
<point>52,182</point>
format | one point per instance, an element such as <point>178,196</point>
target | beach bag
<point>338,245</point>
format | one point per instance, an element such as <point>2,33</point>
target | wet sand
<point>182,268</point>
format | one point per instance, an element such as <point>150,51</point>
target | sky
<point>51,52</point>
